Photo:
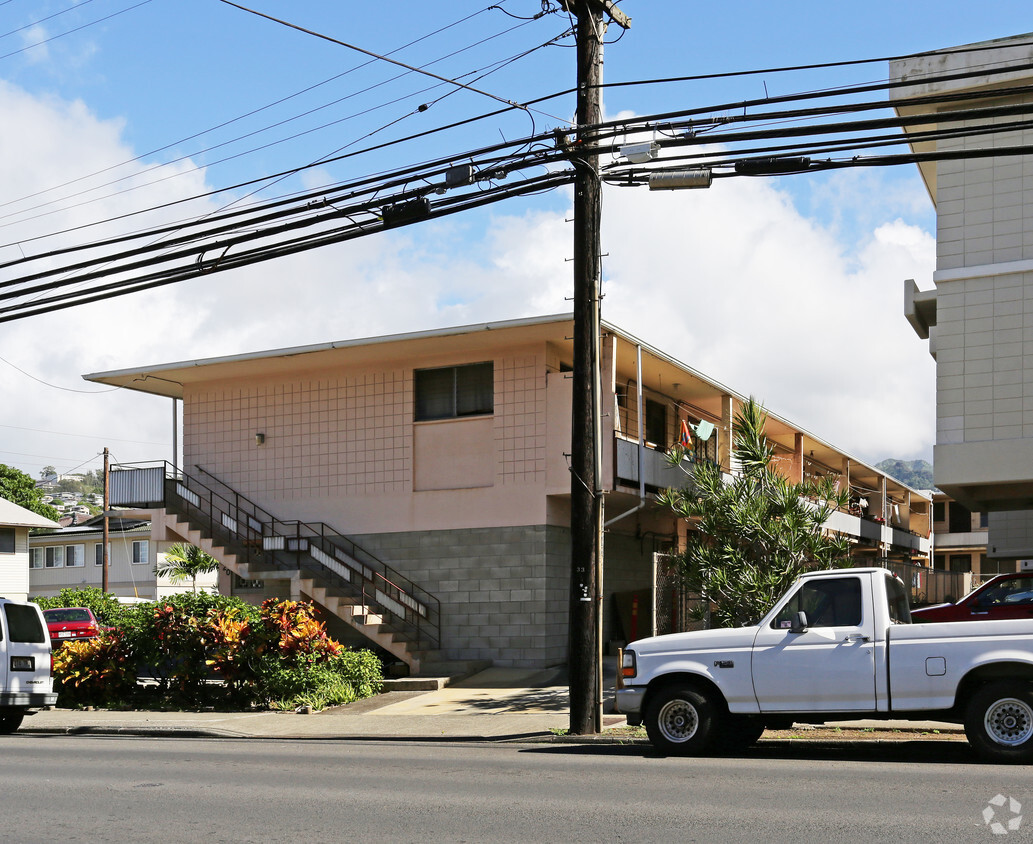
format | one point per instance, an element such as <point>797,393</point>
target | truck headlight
<point>629,667</point>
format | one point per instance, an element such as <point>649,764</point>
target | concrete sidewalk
<point>497,704</point>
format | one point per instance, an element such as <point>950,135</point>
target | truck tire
<point>999,722</point>
<point>10,720</point>
<point>680,721</point>
<point>739,733</point>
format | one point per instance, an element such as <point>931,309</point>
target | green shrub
<point>105,607</point>
<point>346,677</point>
<point>94,672</point>
<point>206,649</point>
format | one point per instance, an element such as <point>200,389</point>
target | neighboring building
<point>959,539</point>
<point>418,485</point>
<point>979,328</point>
<point>72,558</point>
<point>15,523</point>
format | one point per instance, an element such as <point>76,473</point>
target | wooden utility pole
<point>107,506</point>
<point>586,497</point>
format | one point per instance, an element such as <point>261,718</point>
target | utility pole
<point>586,497</point>
<point>104,540</point>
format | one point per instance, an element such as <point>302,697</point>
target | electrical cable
<point>210,164</point>
<point>38,21</point>
<point>76,29</point>
<point>251,113</point>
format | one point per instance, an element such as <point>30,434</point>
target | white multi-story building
<point>979,317</point>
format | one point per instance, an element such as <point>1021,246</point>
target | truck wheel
<point>680,721</point>
<point>999,722</point>
<point>10,721</point>
<point>739,733</point>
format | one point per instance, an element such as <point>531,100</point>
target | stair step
<point>338,597</point>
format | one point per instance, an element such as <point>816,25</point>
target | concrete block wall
<point>503,591</point>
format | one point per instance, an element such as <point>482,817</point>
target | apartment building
<point>417,485</point>
<point>72,558</point>
<point>979,316</point>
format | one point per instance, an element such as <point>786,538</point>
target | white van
<point>25,679</point>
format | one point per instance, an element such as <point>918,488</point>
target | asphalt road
<point>101,789</point>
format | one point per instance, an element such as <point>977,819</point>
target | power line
<point>370,53</point>
<point>189,156</point>
<point>76,29</point>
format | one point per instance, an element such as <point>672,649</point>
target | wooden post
<point>584,648</point>
<point>104,545</point>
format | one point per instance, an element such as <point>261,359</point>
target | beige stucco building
<point>417,486</point>
<point>979,317</point>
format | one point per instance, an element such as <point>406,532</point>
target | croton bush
<point>199,649</point>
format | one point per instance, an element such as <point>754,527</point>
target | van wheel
<point>999,722</point>
<point>680,721</point>
<point>10,721</point>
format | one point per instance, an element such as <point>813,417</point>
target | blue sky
<point>790,289</point>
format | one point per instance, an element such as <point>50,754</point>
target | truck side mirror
<point>799,623</point>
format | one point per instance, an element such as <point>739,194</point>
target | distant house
<point>15,523</point>
<point>72,557</point>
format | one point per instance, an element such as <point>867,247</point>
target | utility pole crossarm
<point>607,6</point>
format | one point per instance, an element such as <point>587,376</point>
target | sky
<point>789,289</point>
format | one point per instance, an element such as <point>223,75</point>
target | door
<point>830,667</point>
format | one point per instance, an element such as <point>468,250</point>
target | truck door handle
<point>857,637</point>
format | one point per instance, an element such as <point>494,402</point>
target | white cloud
<point>733,281</point>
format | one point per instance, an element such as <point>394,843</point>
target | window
<point>24,624</point>
<point>1016,591</point>
<point>140,550</point>
<point>959,518</point>
<point>984,519</point>
<point>939,561</point>
<point>54,556</point>
<point>75,555</point>
<point>656,423</point>
<point>938,511</point>
<point>453,391</point>
<point>961,562</point>
<point>896,596</point>
<point>35,558</point>
<point>7,540</point>
<point>828,603</point>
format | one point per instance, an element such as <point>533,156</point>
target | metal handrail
<point>256,534</point>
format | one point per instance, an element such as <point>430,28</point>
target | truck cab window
<point>896,597</point>
<point>828,603</point>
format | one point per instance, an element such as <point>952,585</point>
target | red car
<point>1004,596</point>
<point>72,623</point>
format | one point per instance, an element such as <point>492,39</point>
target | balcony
<point>656,471</point>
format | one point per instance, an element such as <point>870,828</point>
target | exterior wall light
<point>259,439</point>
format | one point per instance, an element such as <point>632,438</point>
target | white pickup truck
<point>25,663</point>
<point>838,646</point>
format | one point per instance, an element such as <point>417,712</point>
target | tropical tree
<point>755,533</point>
<point>20,489</point>
<point>184,561</point>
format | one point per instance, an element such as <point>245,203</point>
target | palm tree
<point>183,561</point>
